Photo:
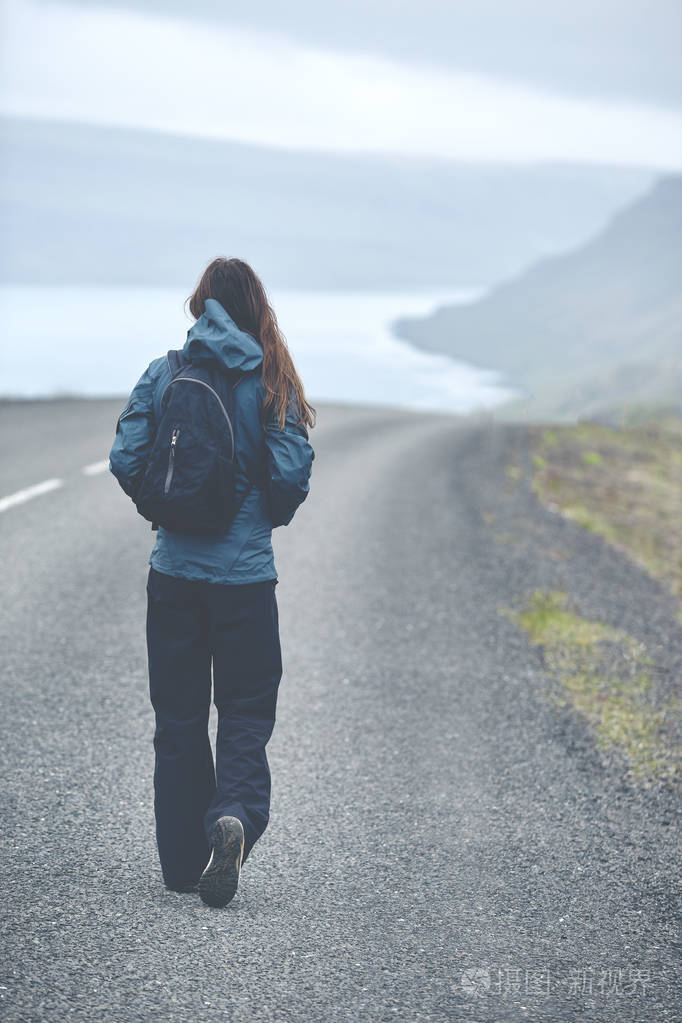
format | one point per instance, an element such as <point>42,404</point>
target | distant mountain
<point>594,329</point>
<point>91,204</point>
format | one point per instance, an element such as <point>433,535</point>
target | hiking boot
<point>218,883</point>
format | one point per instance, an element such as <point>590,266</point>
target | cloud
<point>117,67</point>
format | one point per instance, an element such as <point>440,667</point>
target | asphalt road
<point>444,844</point>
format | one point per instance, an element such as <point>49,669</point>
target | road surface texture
<point>444,843</point>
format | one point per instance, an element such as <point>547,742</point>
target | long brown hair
<point>240,292</point>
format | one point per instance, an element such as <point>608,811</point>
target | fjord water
<point>96,341</point>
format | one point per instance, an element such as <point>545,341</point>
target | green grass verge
<point>606,675</point>
<point>624,484</point>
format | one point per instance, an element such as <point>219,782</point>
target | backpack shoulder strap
<point>177,360</point>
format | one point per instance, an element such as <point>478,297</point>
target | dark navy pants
<point>191,625</point>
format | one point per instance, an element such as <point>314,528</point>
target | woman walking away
<point>212,447</point>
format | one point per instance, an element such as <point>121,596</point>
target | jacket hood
<point>215,335</point>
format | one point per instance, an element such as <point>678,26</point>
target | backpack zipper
<point>217,397</point>
<point>171,458</point>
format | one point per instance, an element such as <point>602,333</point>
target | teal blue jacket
<point>244,553</point>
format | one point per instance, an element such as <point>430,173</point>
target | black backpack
<point>189,482</point>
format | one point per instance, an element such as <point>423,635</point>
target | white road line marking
<point>25,495</point>
<point>95,467</point>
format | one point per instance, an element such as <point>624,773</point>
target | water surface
<point>97,341</point>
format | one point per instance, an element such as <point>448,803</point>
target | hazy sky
<point>481,81</point>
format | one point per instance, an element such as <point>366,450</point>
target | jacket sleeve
<point>135,431</point>
<point>290,459</point>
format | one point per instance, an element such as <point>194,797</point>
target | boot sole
<point>219,881</point>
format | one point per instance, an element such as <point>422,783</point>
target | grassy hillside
<point>93,204</point>
<point>587,332</point>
